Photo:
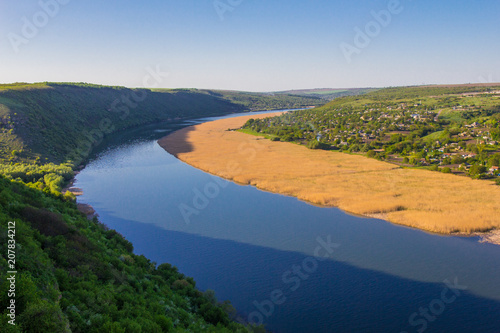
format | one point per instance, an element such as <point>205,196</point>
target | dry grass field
<point>432,201</point>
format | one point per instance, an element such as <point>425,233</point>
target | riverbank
<point>431,201</point>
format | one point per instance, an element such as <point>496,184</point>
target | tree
<point>446,170</point>
<point>44,317</point>
<point>371,154</point>
<point>457,159</point>
<point>315,144</point>
<point>472,148</point>
<point>477,170</point>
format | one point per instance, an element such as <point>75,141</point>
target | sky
<point>250,45</point>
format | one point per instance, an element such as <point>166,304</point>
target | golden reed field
<point>432,201</point>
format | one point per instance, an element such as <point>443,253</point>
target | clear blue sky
<point>258,45</point>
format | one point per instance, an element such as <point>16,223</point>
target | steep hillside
<point>62,122</point>
<point>75,275</point>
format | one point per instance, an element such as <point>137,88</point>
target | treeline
<point>328,94</point>
<point>426,91</point>
<point>267,101</point>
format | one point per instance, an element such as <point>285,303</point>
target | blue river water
<point>284,263</point>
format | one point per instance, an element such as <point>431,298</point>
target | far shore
<point>430,201</point>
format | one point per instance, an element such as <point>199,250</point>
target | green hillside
<point>61,122</point>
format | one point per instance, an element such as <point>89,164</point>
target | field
<point>432,201</point>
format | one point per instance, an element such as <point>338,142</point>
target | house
<point>494,170</point>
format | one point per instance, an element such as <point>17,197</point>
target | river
<point>293,266</point>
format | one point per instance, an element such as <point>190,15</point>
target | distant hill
<point>60,122</point>
<point>327,94</point>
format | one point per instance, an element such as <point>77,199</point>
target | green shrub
<point>446,170</point>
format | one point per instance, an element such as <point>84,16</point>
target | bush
<point>44,317</point>
<point>477,170</point>
<point>371,154</point>
<point>165,323</point>
<point>446,170</point>
<point>315,144</point>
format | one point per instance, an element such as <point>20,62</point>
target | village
<point>451,134</point>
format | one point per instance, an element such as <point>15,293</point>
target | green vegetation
<point>76,275</point>
<point>49,178</point>
<point>449,129</point>
<point>267,101</point>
